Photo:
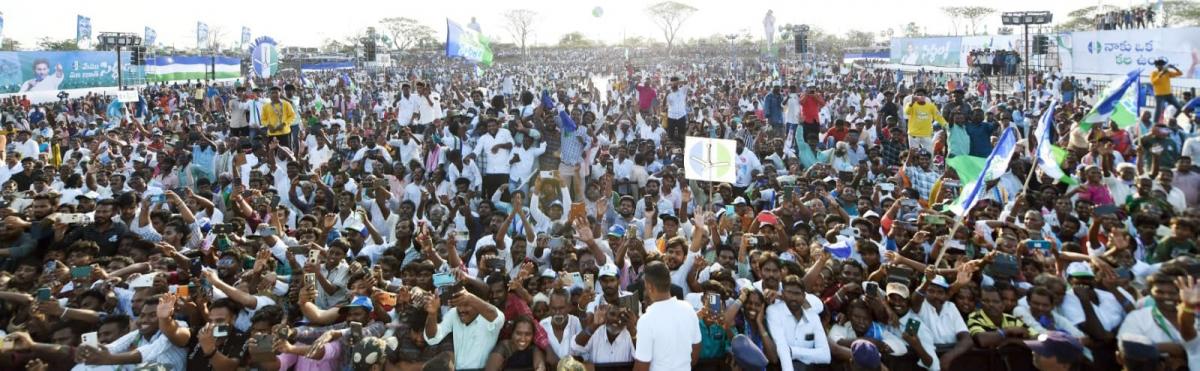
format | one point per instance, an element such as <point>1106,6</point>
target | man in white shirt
<point>494,149</point>
<point>607,338</point>
<point>406,105</point>
<point>747,162</point>
<point>945,323</point>
<point>429,105</point>
<point>799,337</point>
<point>524,160</point>
<point>916,337</point>
<point>1158,325</point>
<point>669,332</point>
<point>677,111</point>
<point>239,122</point>
<point>25,145</point>
<point>155,340</point>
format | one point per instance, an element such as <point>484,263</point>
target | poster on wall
<point>928,51</point>
<point>22,72</point>
<point>1118,52</point>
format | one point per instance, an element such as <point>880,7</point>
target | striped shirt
<point>600,351</point>
<point>978,322</point>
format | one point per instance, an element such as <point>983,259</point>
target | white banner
<point>1118,52</point>
<point>710,160</point>
<point>126,96</point>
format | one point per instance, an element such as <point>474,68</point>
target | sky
<point>304,23</point>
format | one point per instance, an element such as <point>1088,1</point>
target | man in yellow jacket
<point>1161,80</point>
<point>277,116</point>
<point>921,114</point>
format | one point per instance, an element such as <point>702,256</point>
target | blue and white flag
<point>1,25</point>
<point>996,166</point>
<point>1046,159</point>
<point>467,43</point>
<point>245,36</point>
<point>150,38</point>
<point>201,35</point>
<point>842,249</point>
<point>83,30</point>
<point>1120,105</point>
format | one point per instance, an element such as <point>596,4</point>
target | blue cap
<point>616,231</point>
<point>865,354</point>
<point>358,301</point>
<point>1058,345</point>
<point>746,354</point>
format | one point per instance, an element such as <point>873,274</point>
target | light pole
<point>116,40</point>
<point>1026,19</point>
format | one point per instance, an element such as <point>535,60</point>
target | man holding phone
<point>1160,79</point>
<point>910,328</point>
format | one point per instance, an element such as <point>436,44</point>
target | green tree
<point>10,44</point>
<point>404,33</point>
<point>47,43</point>
<point>1083,19</point>
<point>669,17</point>
<point>575,40</point>
<point>1178,13</point>
<point>859,39</point>
<point>912,30</point>
<point>970,15</point>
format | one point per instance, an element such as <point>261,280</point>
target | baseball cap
<point>1056,344</point>
<point>865,354</point>
<point>1138,348</point>
<point>1080,269</point>
<point>608,269</point>
<point>897,288</point>
<point>358,301</point>
<point>940,281</point>
<point>746,354</point>
<point>616,231</point>
<point>739,201</point>
<point>766,217</point>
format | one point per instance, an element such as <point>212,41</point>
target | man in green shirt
<point>1181,242</point>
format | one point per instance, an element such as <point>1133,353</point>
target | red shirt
<point>837,134</point>
<point>646,97</point>
<point>810,107</point>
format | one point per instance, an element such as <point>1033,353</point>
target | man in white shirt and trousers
<point>669,332</point>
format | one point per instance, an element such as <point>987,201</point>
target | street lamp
<point>1026,19</point>
<point>116,40</point>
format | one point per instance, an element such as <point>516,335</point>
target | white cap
<point>1080,269</point>
<point>608,269</point>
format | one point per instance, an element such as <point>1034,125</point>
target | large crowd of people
<point>999,62</point>
<point>1126,19</point>
<point>536,215</point>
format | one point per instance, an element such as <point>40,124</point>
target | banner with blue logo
<point>1118,52</point>
<point>926,51</point>
<point>22,72</point>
